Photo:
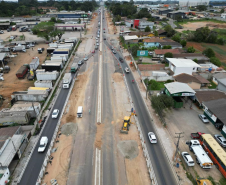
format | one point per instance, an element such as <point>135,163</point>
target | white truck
<point>201,156</point>
<point>127,70</point>
<point>19,48</point>
<point>67,80</point>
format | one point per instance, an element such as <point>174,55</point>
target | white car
<point>188,159</point>
<point>221,140</point>
<point>97,43</point>
<point>152,137</point>
<point>203,118</point>
<point>1,31</point>
<point>86,58</point>
<point>55,113</point>
<point>43,144</point>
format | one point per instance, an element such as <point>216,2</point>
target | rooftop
<point>164,51</point>
<point>219,75</point>
<point>2,56</point>
<point>150,67</point>
<point>155,39</point>
<point>192,56</point>
<point>132,37</point>
<point>218,108</point>
<point>172,43</point>
<point>222,81</point>
<point>183,62</point>
<point>186,78</point>
<point>208,95</point>
<point>139,33</point>
<point>177,87</point>
<point>7,132</point>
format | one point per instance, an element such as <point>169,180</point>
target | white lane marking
<point>97,167</point>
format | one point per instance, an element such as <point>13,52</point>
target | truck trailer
<point>34,63</point>
<point>67,80</point>
<point>52,66</point>
<point>19,48</point>
<point>21,73</point>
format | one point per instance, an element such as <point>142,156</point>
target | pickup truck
<point>196,135</point>
<point>127,70</point>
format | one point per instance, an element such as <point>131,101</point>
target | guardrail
<point>43,108</point>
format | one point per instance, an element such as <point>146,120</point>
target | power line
<point>177,147</point>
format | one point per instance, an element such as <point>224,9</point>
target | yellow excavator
<point>126,123</point>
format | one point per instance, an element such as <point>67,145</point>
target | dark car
<point>104,38</point>
<point>219,126</point>
<point>121,60</point>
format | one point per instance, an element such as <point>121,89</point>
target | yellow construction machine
<point>126,123</point>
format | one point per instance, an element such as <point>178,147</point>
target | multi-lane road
<point>82,166</point>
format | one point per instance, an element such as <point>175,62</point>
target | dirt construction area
<point>11,83</point>
<point>192,26</point>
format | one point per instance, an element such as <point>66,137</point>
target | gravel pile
<point>69,128</point>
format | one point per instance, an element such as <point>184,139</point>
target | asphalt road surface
<point>33,169</point>
<point>163,172</point>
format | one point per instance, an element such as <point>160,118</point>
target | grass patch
<point>131,29</point>
<point>200,20</point>
<point>191,178</point>
<point>221,33</point>
<point>159,86</point>
<point>212,85</point>
<point>216,49</point>
<point>222,181</point>
<point>212,180</point>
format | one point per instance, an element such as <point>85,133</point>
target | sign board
<point>142,53</point>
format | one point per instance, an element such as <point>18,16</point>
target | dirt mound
<point>129,149</point>
<point>117,77</point>
<point>70,118</point>
<point>128,57</point>
<point>69,128</point>
<point>99,133</point>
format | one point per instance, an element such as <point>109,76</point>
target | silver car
<point>203,118</point>
<point>221,140</point>
<point>188,159</point>
<point>152,137</point>
<point>97,43</point>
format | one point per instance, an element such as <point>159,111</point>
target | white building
<point>178,66</point>
<point>144,24</point>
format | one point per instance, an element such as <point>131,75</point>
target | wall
<point>136,23</point>
<point>194,85</point>
<point>30,97</point>
<point>19,118</point>
<point>159,78</point>
<point>221,87</point>
<point>151,44</point>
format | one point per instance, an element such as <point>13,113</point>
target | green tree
<point>117,18</point>
<point>195,60</point>
<point>53,19</point>
<point>220,41</point>
<point>168,55</point>
<point>176,38</point>
<point>191,49</point>
<point>156,33</point>
<point>178,18</point>
<point>167,100</point>
<point>170,31</point>
<point>222,10</point>
<point>167,47</point>
<point>215,61</point>
<point>147,29</point>
<point>79,21</point>
<point>202,7</point>
<point>134,49</point>
<point>209,52</point>
<point>183,43</point>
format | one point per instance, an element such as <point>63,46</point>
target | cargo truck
<point>201,156</point>
<point>67,80</point>
<point>34,63</point>
<point>52,66</point>
<point>21,73</point>
<point>50,50</point>
<point>19,48</point>
<point>61,51</point>
<point>74,67</point>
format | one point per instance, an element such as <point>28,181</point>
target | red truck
<point>196,135</point>
<point>21,73</point>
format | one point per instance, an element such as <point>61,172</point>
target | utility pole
<point>178,143</point>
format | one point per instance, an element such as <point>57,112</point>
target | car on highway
<point>221,140</point>
<point>97,43</point>
<point>80,62</point>
<point>203,118</point>
<point>55,113</point>
<point>43,144</point>
<point>188,159</point>
<point>98,36</point>
<point>114,51</point>
<point>121,60</point>
<point>96,47</point>
<point>86,58</point>
<point>152,137</point>
<point>93,51</point>
<point>112,48</point>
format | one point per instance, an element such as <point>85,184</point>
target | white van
<point>43,144</point>
<point>79,112</point>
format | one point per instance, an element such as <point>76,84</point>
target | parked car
<point>221,140</point>
<point>188,159</point>
<point>104,38</point>
<point>152,137</point>
<point>114,51</point>
<point>86,58</point>
<point>93,51</point>
<point>219,126</point>
<point>55,113</point>
<point>80,62</point>
<point>97,43</point>
<point>112,48</point>
<point>1,31</point>
<point>43,144</point>
<point>121,60</point>
<point>203,118</point>
<point>196,135</point>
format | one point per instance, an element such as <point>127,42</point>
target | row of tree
<point>23,7</point>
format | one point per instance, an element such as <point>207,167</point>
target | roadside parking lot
<point>186,120</point>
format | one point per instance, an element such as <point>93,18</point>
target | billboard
<point>142,53</point>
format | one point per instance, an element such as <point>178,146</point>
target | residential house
<point>130,39</point>
<point>200,57</point>
<point>172,44</point>
<point>129,23</point>
<point>178,66</point>
<point>141,34</point>
<point>162,52</point>
<point>153,42</point>
<point>192,81</point>
<point>162,33</point>
<point>221,84</point>
<point>204,95</point>
<point>144,24</point>
<point>175,14</point>
<point>218,76</point>
<point>215,111</point>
